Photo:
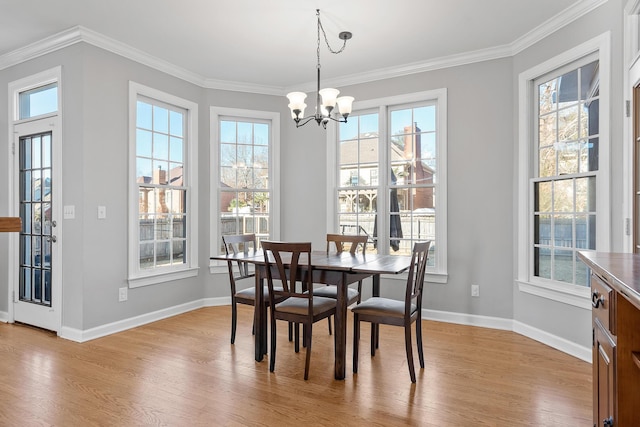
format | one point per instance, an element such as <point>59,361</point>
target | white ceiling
<point>272,43</point>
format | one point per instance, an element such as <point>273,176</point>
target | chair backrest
<point>288,264</point>
<point>415,279</point>
<point>340,239</point>
<point>235,244</point>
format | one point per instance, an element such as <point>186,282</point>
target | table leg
<point>260,319</point>
<point>340,329</point>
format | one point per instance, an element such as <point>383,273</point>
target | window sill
<point>577,296</point>
<point>154,279</point>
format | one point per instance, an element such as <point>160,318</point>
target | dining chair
<point>338,241</point>
<point>293,300</point>
<point>378,310</point>
<point>234,244</point>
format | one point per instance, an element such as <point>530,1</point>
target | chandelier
<point>327,98</point>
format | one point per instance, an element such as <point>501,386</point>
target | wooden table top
<point>10,224</point>
<point>345,261</point>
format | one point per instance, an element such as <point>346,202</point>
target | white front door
<point>36,259</point>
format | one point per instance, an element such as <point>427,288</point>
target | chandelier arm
<point>305,120</point>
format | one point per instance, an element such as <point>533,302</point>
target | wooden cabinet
<point>615,300</point>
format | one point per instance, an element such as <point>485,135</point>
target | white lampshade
<point>296,100</point>
<point>344,105</point>
<point>329,96</point>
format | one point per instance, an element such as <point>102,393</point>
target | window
<point>564,185</point>
<point>163,214</point>
<point>244,158</point>
<point>38,101</point>
<point>391,179</point>
<point>563,201</point>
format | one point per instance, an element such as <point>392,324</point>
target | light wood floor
<point>183,371</point>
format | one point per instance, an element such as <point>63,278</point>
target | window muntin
<point>244,177</point>
<point>564,188</point>
<point>162,184</point>
<point>397,176</point>
<point>38,101</point>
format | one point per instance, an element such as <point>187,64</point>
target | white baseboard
<point>573,349</point>
<point>559,343</point>
<point>133,322</point>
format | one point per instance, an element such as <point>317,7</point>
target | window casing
<point>244,159</point>
<point>563,163</point>
<point>163,199</point>
<point>390,175</point>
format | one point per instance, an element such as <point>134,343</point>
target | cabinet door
<point>604,360</point>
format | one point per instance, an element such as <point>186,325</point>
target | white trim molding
<point>81,34</point>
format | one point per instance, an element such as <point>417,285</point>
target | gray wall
<point>482,169</point>
<point>562,320</point>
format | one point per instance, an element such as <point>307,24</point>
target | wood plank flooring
<point>183,371</point>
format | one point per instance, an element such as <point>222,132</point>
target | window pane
<point>161,146</point>
<point>38,101</point>
<point>143,143</point>
<point>176,152</point>
<point>543,196</point>
<point>563,266</point>
<point>547,130</point>
<point>568,124</point>
<point>547,162</point>
<point>176,123</point>
<point>143,115</point>
<point>160,119</point>
<point>542,262</point>
<point>563,195</point>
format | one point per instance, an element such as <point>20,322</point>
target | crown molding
<point>564,18</point>
<point>81,34</point>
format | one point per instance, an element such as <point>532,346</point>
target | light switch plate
<point>102,212</point>
<point>69,212</point>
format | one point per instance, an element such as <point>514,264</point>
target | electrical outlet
<point>122,294</point>
<point>475,290</point>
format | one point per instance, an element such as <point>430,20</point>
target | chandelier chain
<point>326,40</point>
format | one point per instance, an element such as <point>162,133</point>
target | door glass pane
<point>35,212</point>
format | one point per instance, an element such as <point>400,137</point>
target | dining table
<point>340,269</point>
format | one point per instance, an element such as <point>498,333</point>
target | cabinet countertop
<point>620,270</point>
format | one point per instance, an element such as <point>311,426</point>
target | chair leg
<point>374,333</point>
<point>356,342</point>
<point>329,322</point>
<point>297,337</point>
<point>307,339</point>
<point>272,358</point>
<point>234,320</point>
<point>290,331</point>
<point>407,342</point>
<point>419,341</point>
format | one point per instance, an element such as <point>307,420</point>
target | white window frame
<point>217,114</point>
<point>575,295</point>
<point>439,273</point>
<point>138,277</point>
